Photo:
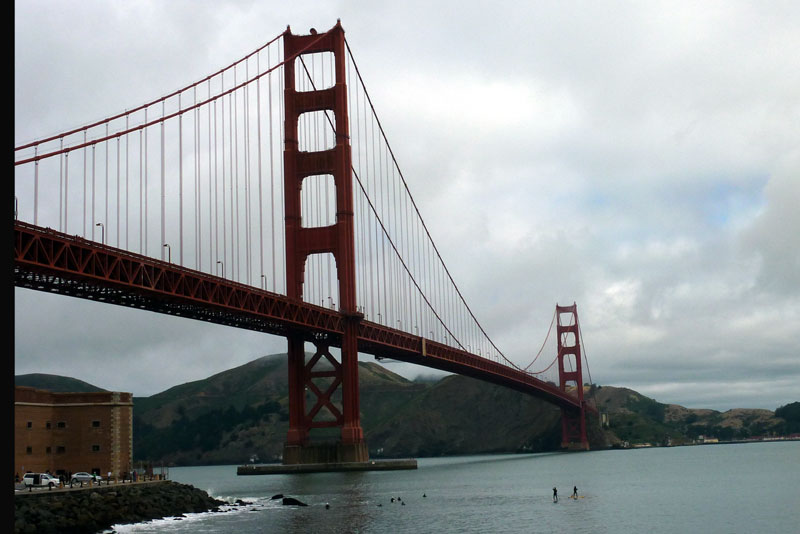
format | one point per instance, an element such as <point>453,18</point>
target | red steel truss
<point>47,260</point>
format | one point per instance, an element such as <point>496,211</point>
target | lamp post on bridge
<point>102,233</point>
<point>263,282</point>
<point>169,252</point>
<point>219,262</point>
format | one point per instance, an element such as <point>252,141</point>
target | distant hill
<point>58,384</point>
<point>230,416</point>
<point>638,419</point>
<point>243,411</point>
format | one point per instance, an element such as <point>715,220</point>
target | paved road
<point>21,488</point>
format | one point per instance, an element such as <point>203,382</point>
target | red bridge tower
<point>337,239</point>
<point>573,421</point>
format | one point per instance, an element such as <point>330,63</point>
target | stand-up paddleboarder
<point>555,495</point>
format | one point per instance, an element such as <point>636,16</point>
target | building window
<point>49,450</point>
<point>48,425</point>
<point>30,424</point>
<point>95,424</point>
<point>28,450</point>
<point>62,424</point>
<point>61,449</point>
<point>95,448</point>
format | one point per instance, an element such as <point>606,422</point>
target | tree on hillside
<point>791,414</point>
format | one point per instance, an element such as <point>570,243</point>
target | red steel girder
<point>46,254</point>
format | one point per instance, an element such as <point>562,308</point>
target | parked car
<point>77,478</point>
<point>39,480</point>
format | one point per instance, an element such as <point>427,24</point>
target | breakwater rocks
<point>96,509</point>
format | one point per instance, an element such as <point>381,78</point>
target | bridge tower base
<point>573,430</point>
<point>325,453</point>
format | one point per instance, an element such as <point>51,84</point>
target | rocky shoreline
<point>98,508</point>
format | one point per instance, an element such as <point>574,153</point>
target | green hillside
<point>637,419</point>
<point>228,417</point>
<point>55,383</point>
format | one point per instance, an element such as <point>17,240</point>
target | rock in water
<point>291,501</point>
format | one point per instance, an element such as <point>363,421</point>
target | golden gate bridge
<point>266,196</point>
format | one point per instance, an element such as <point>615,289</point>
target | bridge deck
<point>47,260</point>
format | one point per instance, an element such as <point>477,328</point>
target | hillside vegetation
<point>637,419</point>
<point>242,412</point>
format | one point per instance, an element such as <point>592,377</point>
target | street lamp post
<point>219,262</point>
<point>102,232</point>
<point>169,252</point>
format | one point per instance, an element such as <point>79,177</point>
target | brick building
<point>71,432</point>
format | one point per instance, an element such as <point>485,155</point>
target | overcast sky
<point>641,159</point>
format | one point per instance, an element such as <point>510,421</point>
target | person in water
<point>574,492</point>
<point>555,495</point>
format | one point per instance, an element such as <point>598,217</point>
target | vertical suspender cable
<point>196,149</point>
<point>235,175</point>
<point>210,197</point>
<point>94,219</point>
<point>163,186</point>
<point>105,219</point>
<point>85,195</point>
<point>282,105</point>
<point>247,169</point>
<point>66,189</point>
<point>271,174</point>
<point>373,259</point>
<point>141,191</point>
<point>36,187</point>
<point>118,192</point>
<point>146,170</point>
<point>224,199</point>
<point>127,190</point>
<point>180,181</point>
<point>61,187</point>
<point>216,191</point>
<point>260,192</point>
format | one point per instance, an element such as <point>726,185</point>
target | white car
<point>39,480</point>
<point>84,477</point>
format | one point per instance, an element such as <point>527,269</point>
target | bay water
<point>725,488</point>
